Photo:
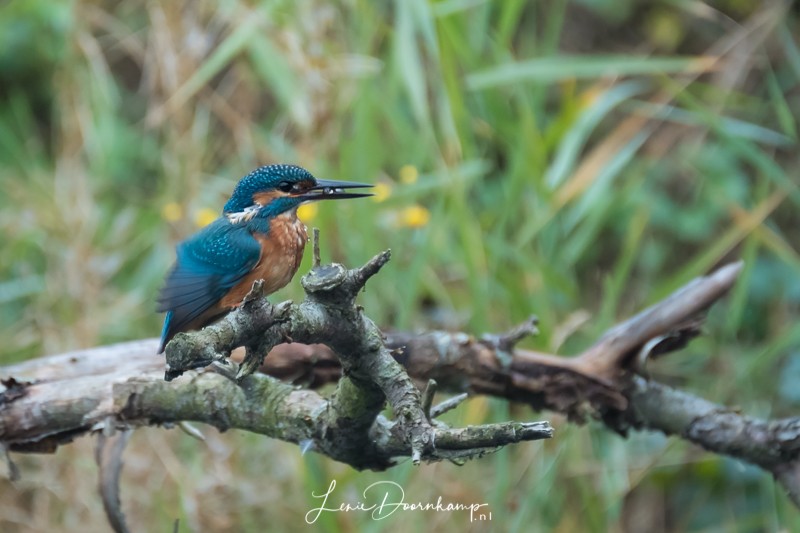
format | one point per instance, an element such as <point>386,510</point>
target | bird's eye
<point>285,186</point>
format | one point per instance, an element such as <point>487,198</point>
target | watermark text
<point>384,498</point>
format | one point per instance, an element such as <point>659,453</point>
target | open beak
<point>334,190</point>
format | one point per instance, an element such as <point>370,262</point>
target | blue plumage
<point>209,264</point>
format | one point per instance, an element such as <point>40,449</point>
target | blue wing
<point>209,264</point>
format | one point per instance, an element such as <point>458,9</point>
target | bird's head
<point>274,189</point>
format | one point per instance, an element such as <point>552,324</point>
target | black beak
<point>334,190</point>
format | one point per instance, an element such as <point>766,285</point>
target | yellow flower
<point>204,217</point>
<point>381,192</point>
<point>588,97</point>
<point>307,212</point>
<point>664,29</point>
<point>172,212</point>
<point>414,216</point>
<point>408,174</point>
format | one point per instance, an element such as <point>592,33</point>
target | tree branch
<point>602,383</point>
<point>117,394</point>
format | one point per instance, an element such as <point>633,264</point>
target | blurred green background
<point>577,160</point>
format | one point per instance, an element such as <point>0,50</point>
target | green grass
<point>579,184</point>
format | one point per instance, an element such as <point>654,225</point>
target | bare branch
<point>675,316</point>
<point>316,261</point>
<point>13,469</point>
<point>788,475</point>
<point>427,398</point>
<point>346,426</point>
<point>108,455</point>
<point>448,405</point>
<point>75,387</point>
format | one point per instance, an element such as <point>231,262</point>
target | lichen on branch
<point>347,425</point>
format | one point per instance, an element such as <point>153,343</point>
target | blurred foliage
<point>576,160</point>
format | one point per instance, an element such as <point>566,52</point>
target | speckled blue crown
<point>263,178</point>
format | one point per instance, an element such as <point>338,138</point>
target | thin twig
<point>448,405</point>
<point>427,398</point>
<point>316,260</point>
<point>109,462</point>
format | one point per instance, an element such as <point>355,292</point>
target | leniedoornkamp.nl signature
<point>384,498</point>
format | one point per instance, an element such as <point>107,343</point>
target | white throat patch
<point>243,216</point>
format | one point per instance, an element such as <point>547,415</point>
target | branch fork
<point>349,427</point>
<point>49,401</point>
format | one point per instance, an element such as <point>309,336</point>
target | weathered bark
<point>121,385</point>
<point>40,409</point>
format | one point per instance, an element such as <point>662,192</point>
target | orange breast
<point>281,253</point>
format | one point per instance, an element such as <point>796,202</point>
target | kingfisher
<point>258,237</point>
